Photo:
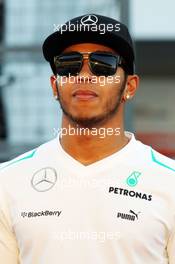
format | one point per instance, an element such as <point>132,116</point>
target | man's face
<point>88,110</point>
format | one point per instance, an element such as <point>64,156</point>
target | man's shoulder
<point>17,161</point>
<point>162,161</point>
<point>152,160</point>
<point>27,160</point>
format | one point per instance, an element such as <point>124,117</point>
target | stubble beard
<point>99,120</point>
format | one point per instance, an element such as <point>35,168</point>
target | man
<point>94,194</point>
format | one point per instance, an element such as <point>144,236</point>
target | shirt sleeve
<point>9,253</point>
<point>171,249</point>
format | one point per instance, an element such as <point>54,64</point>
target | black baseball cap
<point>91,28</point>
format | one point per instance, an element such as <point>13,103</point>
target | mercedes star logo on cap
<point>89,19</point>
<point>44,179</point>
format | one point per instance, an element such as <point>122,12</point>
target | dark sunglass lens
<point>103,63</point>
<point>68,64</point>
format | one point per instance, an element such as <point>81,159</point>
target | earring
<point>56,97</point>
<point>127,96</point>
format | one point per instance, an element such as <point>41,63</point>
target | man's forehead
<point>86,47</point>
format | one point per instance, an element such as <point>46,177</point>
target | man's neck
<point>90,146</point>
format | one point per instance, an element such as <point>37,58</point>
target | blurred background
<point>29,114</point>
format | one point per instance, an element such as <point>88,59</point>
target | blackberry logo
<point>131,217</point>
<point>40,213</point>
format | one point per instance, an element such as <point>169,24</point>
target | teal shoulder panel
<point>30,155</point>
<point>154,159</point>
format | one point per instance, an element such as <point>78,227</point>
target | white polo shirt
<point>121,209</point>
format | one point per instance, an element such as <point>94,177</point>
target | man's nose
<point>85,71</point>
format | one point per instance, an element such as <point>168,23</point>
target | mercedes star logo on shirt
<point>89,19</point>
<point>44,179</point>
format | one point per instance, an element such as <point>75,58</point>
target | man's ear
<point>132,84</point>
<point>54,84</point>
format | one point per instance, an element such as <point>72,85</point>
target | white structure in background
<point>152,19</point>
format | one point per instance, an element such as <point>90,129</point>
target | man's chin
<point>93,121</point>
<point>87,122</point>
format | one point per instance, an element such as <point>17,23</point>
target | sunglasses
<point>100,63</point>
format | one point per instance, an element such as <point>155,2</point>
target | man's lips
<point>84,94</point>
